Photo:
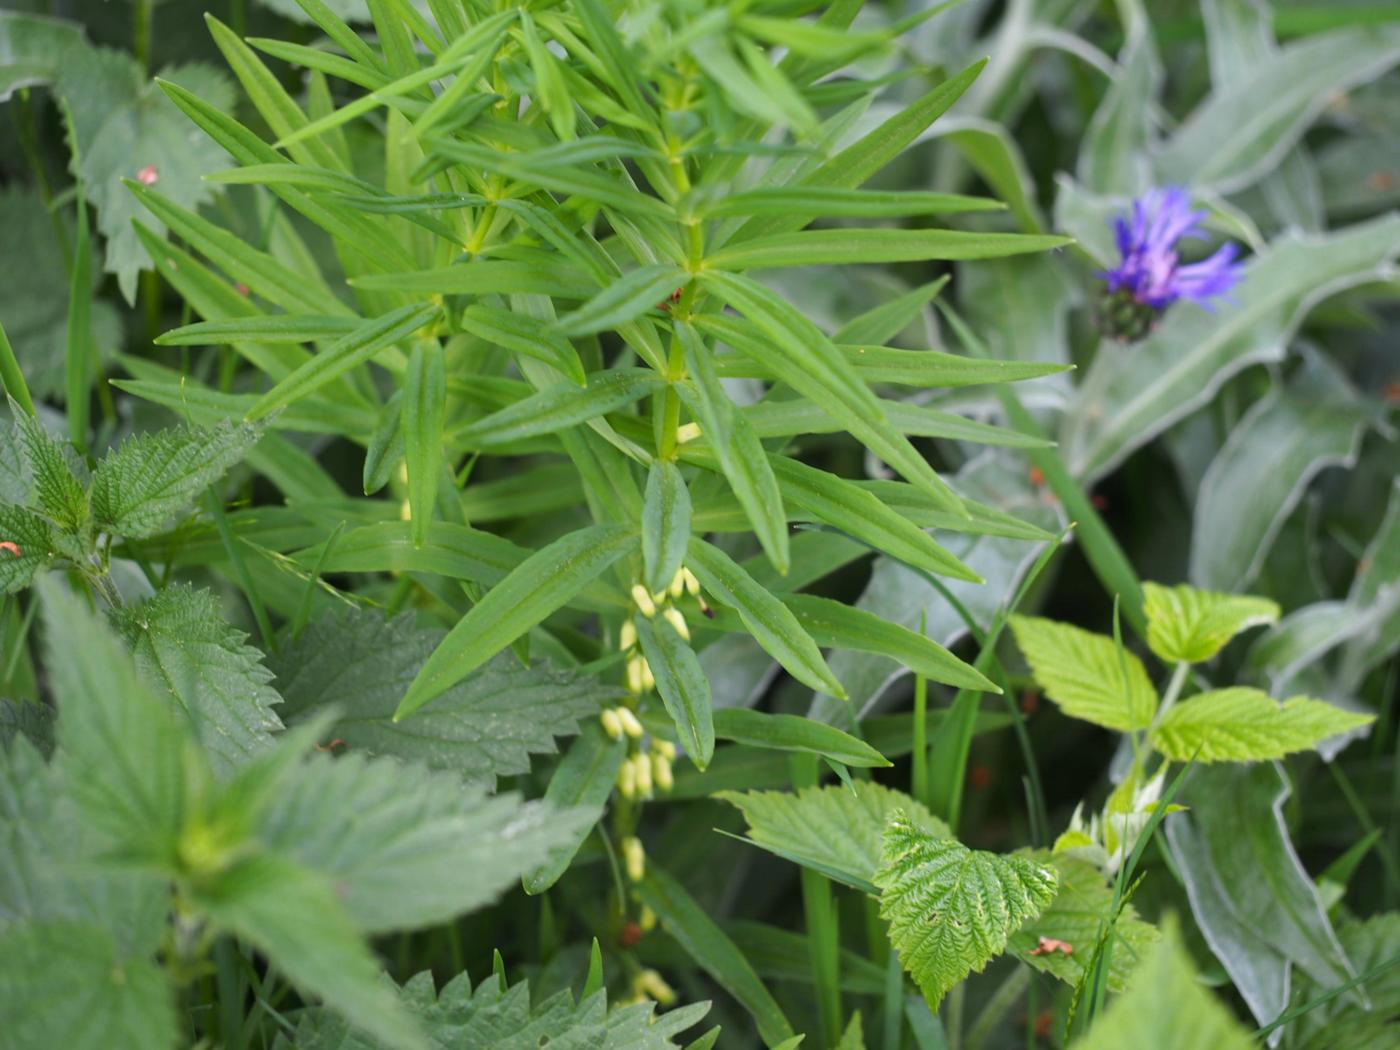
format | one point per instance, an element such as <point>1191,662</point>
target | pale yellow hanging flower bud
<point>643,765</point>
<point>687,432</point>
<point>630,725</point>
<point>677,587</point>
<point>627,780</point>
<point>692,585</point>
<point>648,679</point>
<point>661,771</point>
<point>634,857</point>
<point>649,983</point>
<point>636,678</point>
<point>612,724</point>
<point>643,601</point>
<point>646,921</point>
<point>627,637</point>
<point>666,748</point>
<point>675,619</point>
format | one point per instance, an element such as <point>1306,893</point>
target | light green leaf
<point>1184,623</point>
<point>406,846</point>
<point>1166,1008</point>
<point>1086,674</point>
<point>152,477</point>
<point>68,984</point>
<point>832,202</point>
<point>522,334</point>
<point>1248,725</point>
<point>665,524</point>
<point>707,944</point>
<point>294,915</point>
<point>184,648</point>
<point>794,733</point>
<point>545,582</point>
<point>683,687</point>
<point>771,623</point>
<point>487,725</point>
<point>886,364</point>
<point>951,909</point>
<point>833,830</point>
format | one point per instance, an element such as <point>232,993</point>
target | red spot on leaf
<point>10,546</point>
<point>630,935</point>
<point>1037,477</point>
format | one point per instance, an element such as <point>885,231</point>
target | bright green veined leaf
<point>352,349</point>
<point>34,539</point>
<point>1086,674</point>
<point>951,909</point>
<point>486,277</point>
<point>794,733</point>
<point>424,405</point>
<point>542,584</point>
<point>644,289</point>
<point>806,359</point>
<point>716,954</point>
<point>558,407</point>
<point>682,684</point>
<point>1248,725</point>
<point>770,622</point>
<point>832,830</point>
<point>1185,623</point>
<point>58,492</point>
<point>840,626</point>
<point>849,246</point>
<point>665,525</point>
<point>583,780</point>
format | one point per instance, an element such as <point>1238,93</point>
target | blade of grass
<point>823,932</point>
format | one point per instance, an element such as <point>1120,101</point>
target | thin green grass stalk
<point>1368,825</point>
<point>997,1007</point>
<point>823,930</point>
<point>11,375</point>
<point>79,350</point>
<point>1326,997</point>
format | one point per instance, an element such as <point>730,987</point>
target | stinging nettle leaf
<point>951,909</point>
<point>152,477</point>
<point>1185,623</point>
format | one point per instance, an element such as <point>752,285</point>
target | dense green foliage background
<point>613,524</point>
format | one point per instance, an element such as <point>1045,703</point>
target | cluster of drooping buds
<point>1106,840</point>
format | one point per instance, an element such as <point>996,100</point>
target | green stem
<point>141,34</point>
<point>823,934</point>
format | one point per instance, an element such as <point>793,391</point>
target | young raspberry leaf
<point>1248,725</point>
<point>950,908</point>
<point>1185,623</point>
<point>1086,674</point>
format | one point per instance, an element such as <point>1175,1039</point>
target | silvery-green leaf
<point>1131,394</point>
<point>1265,466</point>
<point>1253,901</point>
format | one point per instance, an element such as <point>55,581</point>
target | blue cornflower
<point>1149,276</point>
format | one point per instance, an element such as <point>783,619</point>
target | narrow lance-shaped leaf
<point>558,407</point>
<point>794,733</point>
<point>424,405</point>
<point>626,299</point>
<point>682,685</point>
<point>665,524</point>
<point>582,781</point>
<point>542,584</point>
<point>770,622</point>
<point>351,350</point>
